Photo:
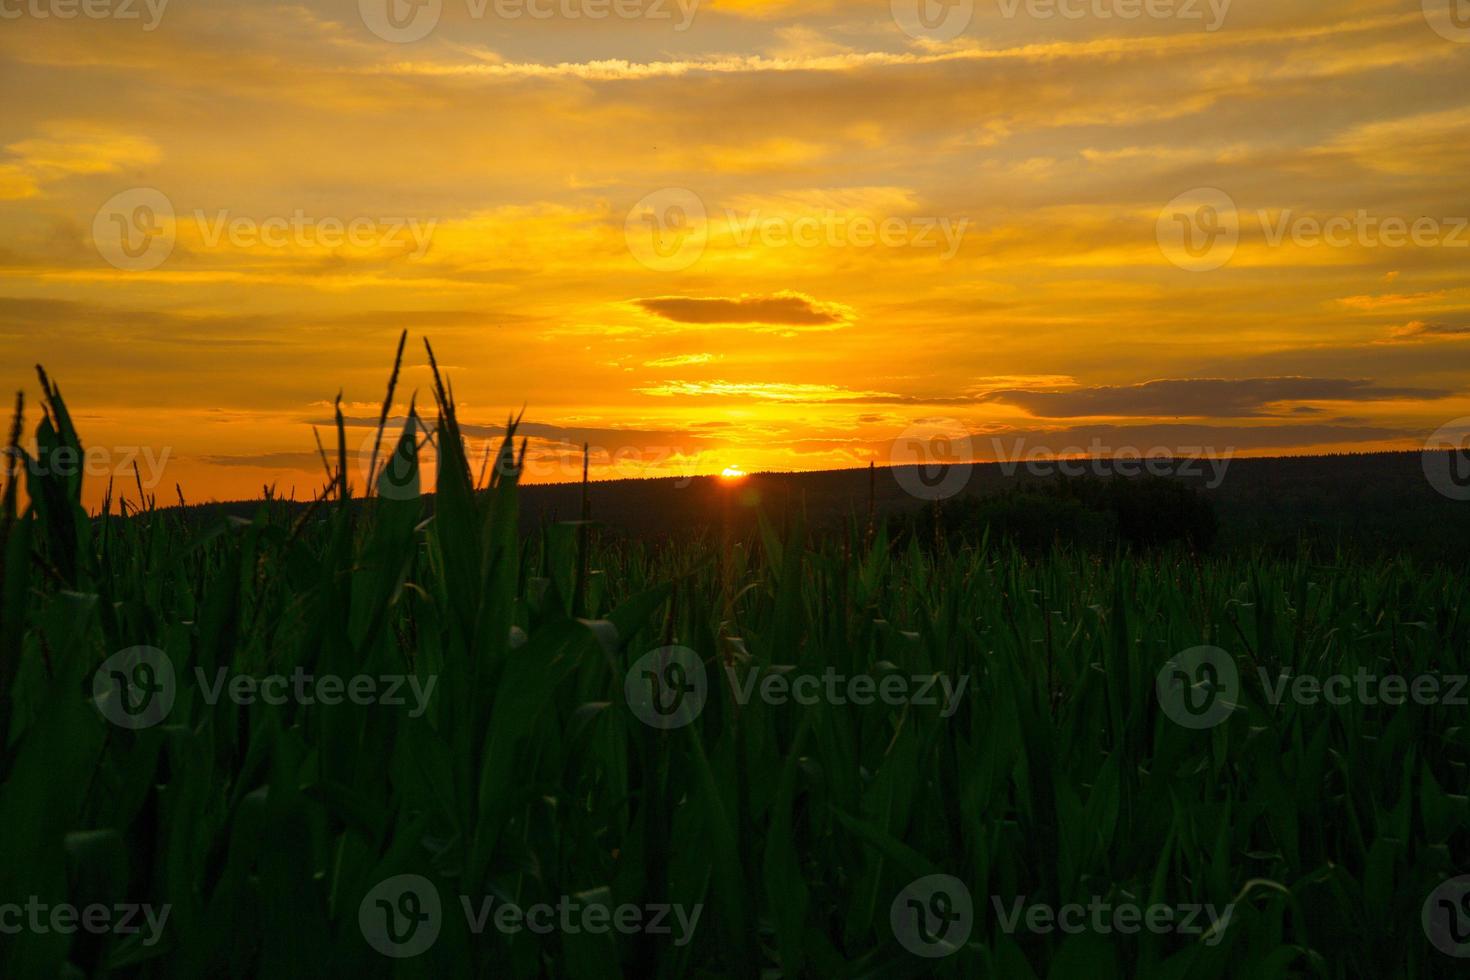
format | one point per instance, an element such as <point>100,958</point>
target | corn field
<point>514,747</point>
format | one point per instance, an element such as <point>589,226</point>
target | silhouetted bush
<point>1090,514</point>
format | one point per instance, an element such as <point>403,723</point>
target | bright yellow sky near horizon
<point>752,235</point>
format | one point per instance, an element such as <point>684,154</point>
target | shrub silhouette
<point>1085,513</point>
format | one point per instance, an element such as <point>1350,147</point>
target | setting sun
<point>732,473</point>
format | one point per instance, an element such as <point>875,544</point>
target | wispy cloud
<point>679,360</point>
<point>765,391</point>
<point>1201,397</point>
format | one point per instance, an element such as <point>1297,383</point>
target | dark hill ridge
<point>1383,499</point>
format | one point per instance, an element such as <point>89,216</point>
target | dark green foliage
<point>265,826</point>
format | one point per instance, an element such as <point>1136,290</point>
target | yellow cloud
<point>70,149</point>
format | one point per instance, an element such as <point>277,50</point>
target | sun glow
<point>732,473</point>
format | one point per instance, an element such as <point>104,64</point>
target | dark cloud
<point>1417,330</point>
<point>1199,397</point>
<point>885,399</point>
<point>788,309</point>
<point>1383,357</point>
<point>270,461</point>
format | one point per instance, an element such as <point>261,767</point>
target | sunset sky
<point>766,235</point>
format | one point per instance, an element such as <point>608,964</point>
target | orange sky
<point>771,235</point>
